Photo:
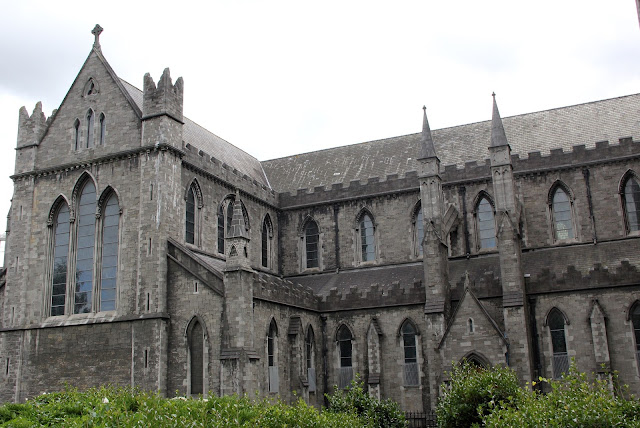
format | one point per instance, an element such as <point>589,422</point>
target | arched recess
<point>272,357</point>
<point>408,332</point>
<point>633,315</point>
<point>477,359</point>
<point>310,358</point>
<point>556,321</point>
<point>374,358</point>
<point>629,191</point>
<point>266,247</point>
<point>91,87</point>
<point>196,336</point>
<point>76,134</point>
<point>484,219</point>
<point>91,119</point>
<point>344,347</point>
<point>365,229</point>
<point>310,244</point>
<point>560,207</point>
<point>417,229</point>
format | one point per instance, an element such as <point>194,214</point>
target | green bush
<point>121,407</point>
<point>573,401</point>
<point>375,413</point>
<point>473,392</point>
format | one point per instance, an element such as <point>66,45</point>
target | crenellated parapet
<point>164,99</point>
<point>283,291</point>
<point>31,129</point>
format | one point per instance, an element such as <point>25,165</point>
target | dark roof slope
<point>198,137</point>
<point>542,131</point>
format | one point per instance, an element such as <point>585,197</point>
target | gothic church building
<point>143,250</point>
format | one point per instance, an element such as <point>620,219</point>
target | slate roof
<point>541,131</point>
<point>198,137</point>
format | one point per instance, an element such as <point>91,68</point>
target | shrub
<point>473,392</point>
<point>573,401</point>
<point>374,412</point>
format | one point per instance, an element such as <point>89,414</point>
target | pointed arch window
<point>367,238</point>
<point>60,258</point>
<point>190,225</point>
<point>76,134</point>
<point>418,230</point>
<point>486,224</point>
<point>561,212</point>
<point>196,357</point>
<point>309,343</point>
<point>267,235</point>
<point>85,249</point>
<point>345,350</point>
<point>110,238</point>
<point>631,202</point>
<point>411,372</point>
<point>90,124</point>
<point>311,244</point>
<point>103,128</point>
<point>556,323</point>
<point>272,357</point>
<point>635,320</point>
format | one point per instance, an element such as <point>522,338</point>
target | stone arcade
<point>144,250</point>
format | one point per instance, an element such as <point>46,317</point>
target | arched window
<point>272,357</point>
<point>196,354</point>
<point>225,217</point>
<point>631,201</point>
<point>345,349</point>
<point>90,120</point>
<point>86,237</point>
<point>110,237</point>
<point>556,322</point>
<point>60,257</point>
<point>470,326</point>
<point>103,128</point>
<point>418,230</point>
<point>267,234</point>
<point>190,226</point>
<point>411,373</point>
<point>562,219</point>
<point>76,134</point>
<point>309,343</point>
<point>367,239</point>
<point>485,224</point>
<point>311,245</point>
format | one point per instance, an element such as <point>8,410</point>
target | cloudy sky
<point>282,77</point>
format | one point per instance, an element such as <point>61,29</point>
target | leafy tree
<point>473,392</point>
<point>374,412</point>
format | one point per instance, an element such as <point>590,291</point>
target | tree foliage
<point>356,401</point>
<point>472,393</point>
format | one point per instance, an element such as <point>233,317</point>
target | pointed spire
<point>498,137</point>
<point>427,150</point>
<point>238,228</point>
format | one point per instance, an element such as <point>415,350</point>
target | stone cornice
<point>99,160</point>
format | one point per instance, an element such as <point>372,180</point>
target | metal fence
<point>421,419</point>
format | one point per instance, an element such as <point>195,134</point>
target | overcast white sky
<point>277,78</point>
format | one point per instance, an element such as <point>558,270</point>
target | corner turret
<point>162,118</point>
<point>31,129</point>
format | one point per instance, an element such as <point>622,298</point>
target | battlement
<point>375,295</point>
<point>164,99</point>
<point>277,290</point>
<point>453,174</point>
<point>31,129</point>
<point>209,164</point>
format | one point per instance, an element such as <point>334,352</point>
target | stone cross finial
<point>96,32</point>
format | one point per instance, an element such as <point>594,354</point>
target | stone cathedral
<point>143,250</point>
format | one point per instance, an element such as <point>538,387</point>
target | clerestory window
<point>267,235</point>
<point>631,204</point>
<point>418,230</point>
<point>311,245</point>
<point>485,224</point>
<point>561,214</point>
<point>366,235</point>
